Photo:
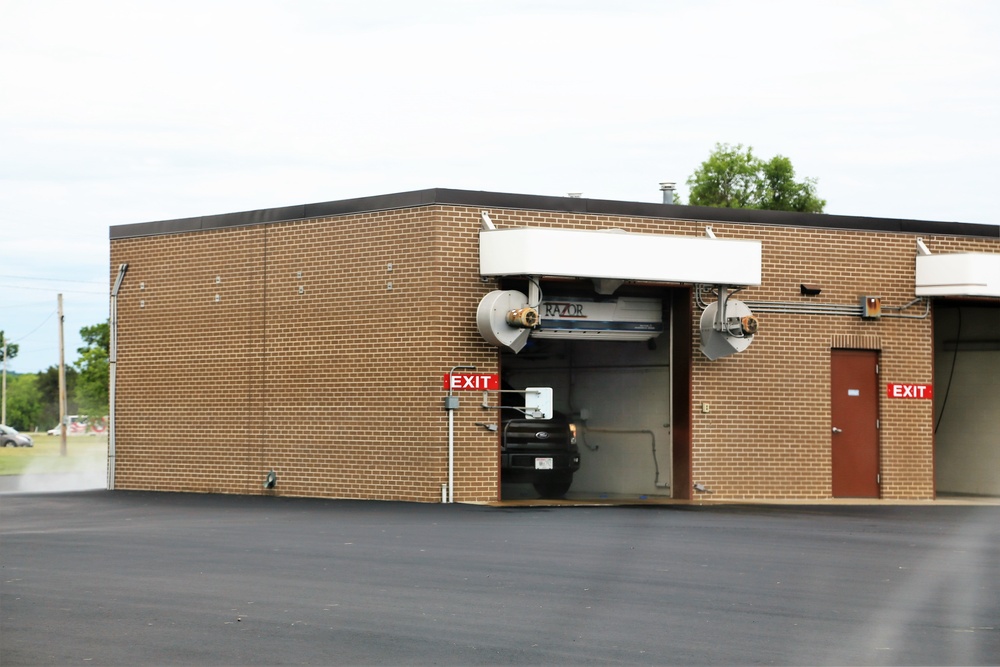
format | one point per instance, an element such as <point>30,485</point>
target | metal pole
<point>450,404</point>
<point>113,376</point>
<point>62,384</point>
<point>3,410</point>
<point>451,456</point>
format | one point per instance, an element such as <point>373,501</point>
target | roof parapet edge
<point>482,198</point>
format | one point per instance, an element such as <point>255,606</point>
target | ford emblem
<point>542,435</point>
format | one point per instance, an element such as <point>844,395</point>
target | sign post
<point>463,381</point>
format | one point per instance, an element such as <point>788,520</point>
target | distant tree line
<point>33,398</point>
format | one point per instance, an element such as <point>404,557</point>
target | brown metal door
<point>854,412</point>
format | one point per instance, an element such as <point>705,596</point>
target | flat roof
<point>502,200</point>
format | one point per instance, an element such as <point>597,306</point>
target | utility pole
<point>3,410</point>
<point>62,385</point>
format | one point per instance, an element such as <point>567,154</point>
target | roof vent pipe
<point>667,188</point>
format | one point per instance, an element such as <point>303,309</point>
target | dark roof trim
<point>481,199</point>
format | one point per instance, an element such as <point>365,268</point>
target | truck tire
<point>553,487</point>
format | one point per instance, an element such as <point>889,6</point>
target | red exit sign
<point>910,390</point>
<point>472,381</point>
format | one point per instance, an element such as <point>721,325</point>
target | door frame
<point>869,453</point>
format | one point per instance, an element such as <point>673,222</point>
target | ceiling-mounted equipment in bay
<point>506,320</point>
<point>727,326</point>
<point>599,318</point>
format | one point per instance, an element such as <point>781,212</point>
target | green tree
<point>732,177</point>
<point>47,383</point>
<point>92,370</point>
<point>11,347</point>
<point>24,402</point>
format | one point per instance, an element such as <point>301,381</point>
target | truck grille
<point>537,434</point>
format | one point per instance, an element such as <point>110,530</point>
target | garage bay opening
<point>608,362</point>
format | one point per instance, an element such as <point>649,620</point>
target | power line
<point>47,318</point>
<point>25,305</point>
<point>53,289</point>
<point>59,280</point>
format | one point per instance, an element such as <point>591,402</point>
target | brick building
<point>311,341</point>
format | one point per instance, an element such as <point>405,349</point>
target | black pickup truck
<point>541,452</point>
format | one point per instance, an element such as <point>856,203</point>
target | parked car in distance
<point>79,425</point>
<point>9,437</point>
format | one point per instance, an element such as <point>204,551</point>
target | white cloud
<point>117,112</point>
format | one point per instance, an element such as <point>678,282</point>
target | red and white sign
<point>472,382</point>
<point>910,390</point>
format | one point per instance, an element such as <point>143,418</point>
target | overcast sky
<point>123,111</point>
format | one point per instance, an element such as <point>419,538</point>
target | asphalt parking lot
<point>127,578</point>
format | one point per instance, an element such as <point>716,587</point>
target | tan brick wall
<point>310,365</point>
<point>768,434</point>
<point>331,379</point>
